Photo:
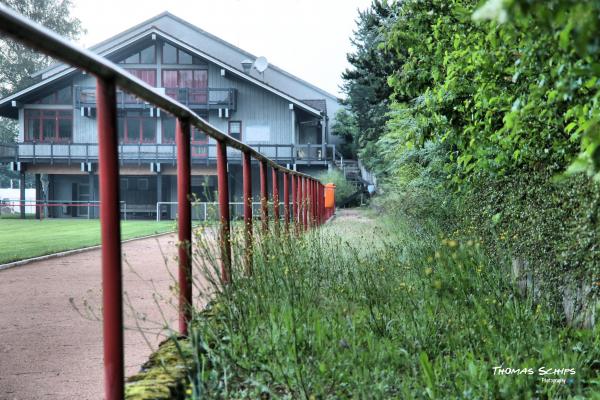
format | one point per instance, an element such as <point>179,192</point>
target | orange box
<point>329,195</point>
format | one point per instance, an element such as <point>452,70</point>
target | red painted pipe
<point>318,203</point>
<point>247,178</point>
<point>274,178</point>
<point>112,283</point>
<point>184,211</point>
<point>305,203</point>
<point>286,201</point>
<point>308,203</point>
<point>223,188</point>
<point>322,197</point>
<point>295,202</point>
<point>264,196</point>
<point>313,203</point>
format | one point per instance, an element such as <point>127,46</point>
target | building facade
<point>269,109</point>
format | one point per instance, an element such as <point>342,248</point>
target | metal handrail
<point>307,193</point>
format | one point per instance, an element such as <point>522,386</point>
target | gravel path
<point>48,349</point>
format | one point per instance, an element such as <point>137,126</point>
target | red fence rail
<point>109,77</point>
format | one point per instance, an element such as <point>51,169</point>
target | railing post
<point>309,202</point>
<point>264,206</point>
<point>184,210</point>
<point>247,178</point>
<point>304,203</point>
<point>322,204</point>
<point>311,198</point>
<point>112,281</point>
<point>315,203</point>
<point>223,187</point>
<point>275,200</point>
<point>312,203</point>
<point>286,202</point>
<point>300,199</point>
<point>295,201</point>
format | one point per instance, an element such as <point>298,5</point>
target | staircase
<point>351,171</point>
<point>357,175</point>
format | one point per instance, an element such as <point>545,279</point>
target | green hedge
<point>549,224</point>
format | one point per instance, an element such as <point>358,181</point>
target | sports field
<point>21,239</point>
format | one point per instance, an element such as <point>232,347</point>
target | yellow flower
<point>428,271</point>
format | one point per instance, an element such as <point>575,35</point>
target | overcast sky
<point>309,38</point>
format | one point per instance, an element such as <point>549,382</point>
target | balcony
<point>144,153</point>
<point>8,152</point>
<point>199,99</point>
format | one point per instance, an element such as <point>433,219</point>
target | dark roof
<point>319,104</point>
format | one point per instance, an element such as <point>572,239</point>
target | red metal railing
<point>306,191</point>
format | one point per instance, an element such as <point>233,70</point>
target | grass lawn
<point>21,239</point>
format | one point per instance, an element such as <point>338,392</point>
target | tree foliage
<point>491,102</point>
<point>18,62</point>
<point>365,83</point>
<point>518,91</point>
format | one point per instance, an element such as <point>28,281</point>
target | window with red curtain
<point>146,75</point>
<point>49,126</point>
<point>186,85</point>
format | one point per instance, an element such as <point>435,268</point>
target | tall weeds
<point>366,309</point>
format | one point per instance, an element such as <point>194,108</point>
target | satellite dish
<point>261,64</point>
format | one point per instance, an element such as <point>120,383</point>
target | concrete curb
<point>71,252</point>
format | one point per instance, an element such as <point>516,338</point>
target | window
<point>168,133</point>
<point>168,130</point>
<point>62,96</point>
<point>169,54</point>
<point>199,143</point>
<point>173,55</point>
<point>235,129</point>
<point>49,126</point>
<point>146,75</point>
<point>135,127</point>
<point>146,56</point>
<point>142,184</point>
<point>194,80</point>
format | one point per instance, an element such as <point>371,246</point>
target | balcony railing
<point>44,152</point>
<point>207,98</point>
<point>8,152</point>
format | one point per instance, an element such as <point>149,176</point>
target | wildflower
<point>428,271</point>
<point>452,243</point>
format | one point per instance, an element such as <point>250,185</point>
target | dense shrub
<point>343,188</point>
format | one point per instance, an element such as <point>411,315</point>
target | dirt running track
<point>48,350</point>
